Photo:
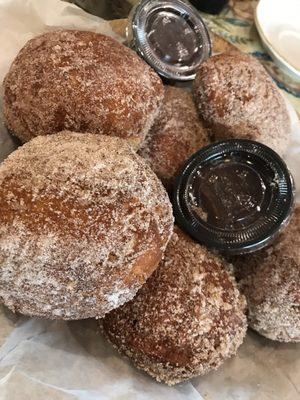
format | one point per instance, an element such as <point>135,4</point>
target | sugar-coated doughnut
<point>83,223</point>
<point>80,81</point>
<point>270,280</point>
<point>238,99</point>
<point>187,318</point>
<point>176,134</point>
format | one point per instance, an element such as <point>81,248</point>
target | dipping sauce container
<point>170,36</point>
<point>234,196</point>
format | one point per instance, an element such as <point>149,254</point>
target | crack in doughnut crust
<point>187,318</point>
<point>270,280</point>
<point>83,224</point>
<point>80,81</point>
<point>238,99</point>
<point>176,134</point>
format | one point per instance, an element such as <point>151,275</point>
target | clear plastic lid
<point>170,36</point>
<point>234,196</point>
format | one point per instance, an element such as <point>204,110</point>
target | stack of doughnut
<point>86,224</point>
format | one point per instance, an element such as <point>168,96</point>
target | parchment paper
<point>41,360</point>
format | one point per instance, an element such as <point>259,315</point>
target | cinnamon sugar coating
<point>83,224</point>
<point>80,81</point>
<point>270,280</point>
<point>238,99</point>
<point>176,134</point>
<point>187,318</point>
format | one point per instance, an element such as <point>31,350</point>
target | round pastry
<point>270,280</point>
<point>83,223</point>
<point>176,134</point>
<point>237,99</point>
<point>187,318</point>
<point>81,81</point>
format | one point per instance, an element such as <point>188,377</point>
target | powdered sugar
<point>118,296</point>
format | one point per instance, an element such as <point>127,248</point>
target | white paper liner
<point>41,360</point>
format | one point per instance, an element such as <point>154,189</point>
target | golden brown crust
<point>237,99</point>
<point>83,223</point>
<point>270,280</point>
<point>176,134</point>
<point>81,81</point>
<point>186,319</point>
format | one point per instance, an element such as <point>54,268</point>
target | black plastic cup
<point>234,196</point>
